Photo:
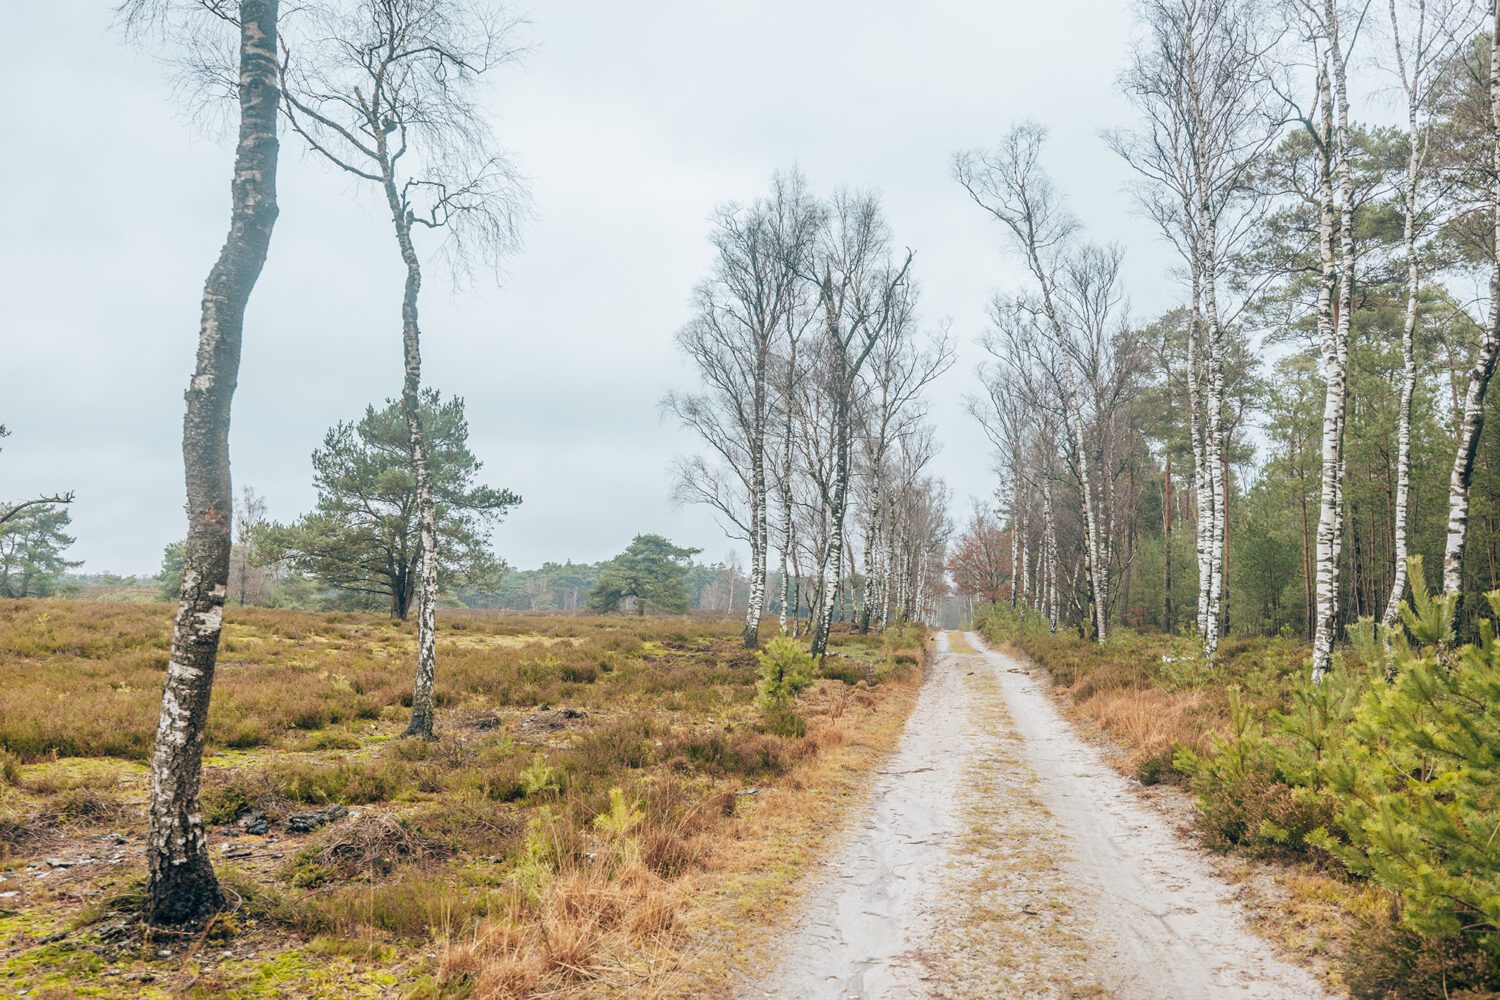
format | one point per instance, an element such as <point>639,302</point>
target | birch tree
<point>1199,78</point>
<point>1024,415</point>
<point>1482,368</point>
<point>899,371</point>
<point>788,373</point>
<point>1329,34</point>
<point>1425,37</point>
<point>858,285</point>
<point>181,887</point>
<point>1007,419</point>
<point>1011,186</point>
<point>743,310</point>
<point>386,91</point>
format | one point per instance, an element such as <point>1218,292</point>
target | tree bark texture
<point>181,886</point>
<point>1480,373</point>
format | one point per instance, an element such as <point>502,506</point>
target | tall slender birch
<point>741,313</point>
<point>858,287</point>
<point>181,887</point>
<point>1425,36</point>
<point>784,454</point>
<point>1009,183</point>
<point>1482,368</point>
<point>899,370</point>
<point>1335,307</point>
<point>1199,76</point>
<point>385,90</point>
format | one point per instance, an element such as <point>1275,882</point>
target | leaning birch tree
<point>1010,184</point>
<point>386,91</point>
<point>1482,367</point>
<point>181,887</point>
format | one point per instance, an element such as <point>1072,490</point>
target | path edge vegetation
<point>1367,803</point>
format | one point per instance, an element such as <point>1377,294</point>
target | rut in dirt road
<point>1000,856</point>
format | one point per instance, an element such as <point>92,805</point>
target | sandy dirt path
<point>1000,856</point>
<point>872,904</point>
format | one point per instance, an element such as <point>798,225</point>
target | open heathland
<point>607,809</point>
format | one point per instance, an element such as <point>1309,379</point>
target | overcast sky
<point>632,122</point>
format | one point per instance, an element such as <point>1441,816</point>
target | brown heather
<point>602,813</point>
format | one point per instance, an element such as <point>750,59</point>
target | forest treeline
<point>1292,460</point>
<point>1267,456</point>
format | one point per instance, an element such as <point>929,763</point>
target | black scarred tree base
<point>184,894</point>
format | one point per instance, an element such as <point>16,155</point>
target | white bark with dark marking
<point>181,887</point>
<point>1471,425</point>
<point>1335,218</point>
<point>1408,357</point>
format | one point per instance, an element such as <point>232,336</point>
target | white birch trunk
<point>758,538</point>
<point>1017,556</point>
<point>1098,573</point>
<point>1049,558</point>
<point>1202,488</point>
<point>1483,369</point>
<point>1216,443</point>
<point>1333,160</point>
<point>1409,368</point>
<point>181,886</point>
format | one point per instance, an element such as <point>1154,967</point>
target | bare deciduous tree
<point>744,310</point>
<point>385,90</point>
<point>1329,32</point>
<point>1200,80</point>
<point>858,286</point>
<point>899,371</point>
<point>1074,294</point>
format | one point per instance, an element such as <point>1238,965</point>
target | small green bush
<point>1417,779</point>
<point>786,670</point>
<point>849,673</point>
<point>540,778</point>
<point>999,622</point>
<point>784,722</point>
<point>1392,767</point>
<point>1259,792</point>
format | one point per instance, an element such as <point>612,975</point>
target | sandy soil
<point>999,856</point>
